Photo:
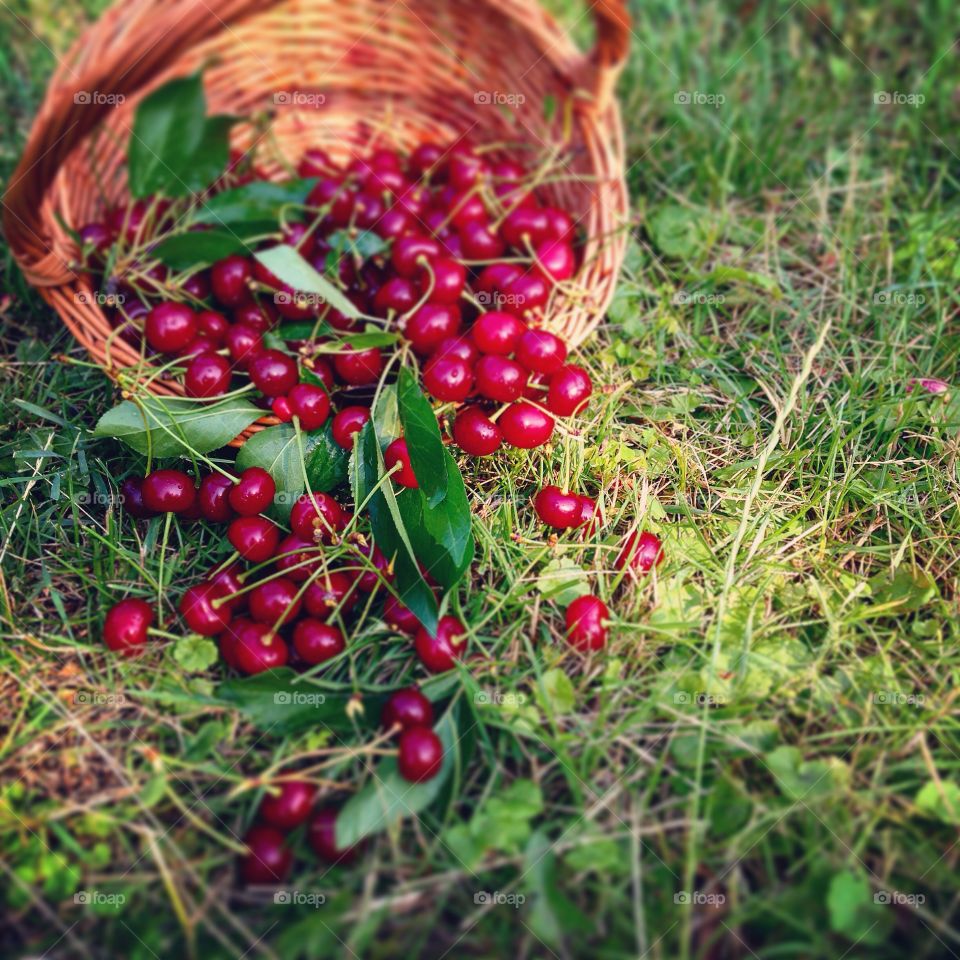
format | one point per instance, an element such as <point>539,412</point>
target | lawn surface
<point>766,760</point>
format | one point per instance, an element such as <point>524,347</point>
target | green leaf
<point>211,155</point>
<point>195,654</point>
<point>674,231</point>
<point>171,427</point>
<point>806,781</point>
<point>450,527</point>
<point>422,433</point>
<point>386,797</point>
<point>364,245</point>
<point>852,909</point>
<point>255,205</point>
<point>287,264</point>
<point>563,580</point>
<point>185,250</point>
<point>556,692</point>
<point>940,801</point>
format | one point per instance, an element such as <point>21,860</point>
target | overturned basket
<point>417,69</point>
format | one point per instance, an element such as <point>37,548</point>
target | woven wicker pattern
<point>337,75</point>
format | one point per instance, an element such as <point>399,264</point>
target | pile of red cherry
<point>461,234</point>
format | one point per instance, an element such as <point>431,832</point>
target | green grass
<point>738,739</point>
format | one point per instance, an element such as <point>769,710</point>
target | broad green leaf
<point>211,155</point>
<point>563,580</point>
<point>853,912</point>
<point>363,245</point>
<point>450,525</point>
<point>174,427</point>
<point>185,250</point>
<point>386,797</point>
<point>422,433</point>
<point>806,780</point>
<point>556,692</point>
<point>195,653</point>
<point>940,801</point>
<point>288,265</point>
<point>258,204</point>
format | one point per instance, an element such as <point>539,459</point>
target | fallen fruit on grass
<point>406,709</point>
<point>420,754</point>
<point>570,389</point>
<point>268,858</point>
<point>316,517</point>
<point>316,641</point>
<point>586,619</point>
<point>259,648</point>
<point>275,602</point>
<point>288,804</point>
<point>131,496</point>
<point>397,454</point>
<point>525,426</point>
<point>203,616</point>
<point>168,491</point>
<point>126,625</point>
<point>641,552</point>
<point>254,538</point>
<point>439,651</point>
<point>557,508</point>
<point>322,837</point>
<point>253,493</point>
<point>476,433</point>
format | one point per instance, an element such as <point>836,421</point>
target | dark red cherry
<point>126,625</point>
<point>254,538</point>
<point>570,389</point>
<point>259,315</point>
<point>96,237</point>
<point>439,652</point>
<point>555,260</point>
<point>431,324</point>
<point>268,859</point>
<point>480,241</point>
<point>316,641</point>
<point>131,496</point>
<point>202,615</point>
<point>197,286</point>
<point>497,332</point>
<point>310,404</point>
<point>541,351</point>
<point>227,584</point>
<point>526,295</point>
<point>281,409</point>
<point>273,373</point>
<point>259,648</point>
<point>301,237</point>
<point>275,602</point>
<point>396,615</point>
<point>426,156</point>
<point>586,619</point>
<point>497,277</point>
<point>397,294</point>
<point>443,280</point>
<point>230,279</point>
<point>368,580</point>
<point>298,558</point>
<point>170,327</point>
<point>331,591</point>
<point>288,804</point>
<point>317,517</point>
<point>322,837</point>
<point>168,491</point>
<point>410,251</point>
<point>525,227</point>
<point>475,433</point>
<point>499,378</point>
<point>449,379</point>
<point>315,163</point>
<point>213,326</point>
<point>359,367</point>
<point>560,225</point>
<point>397,454</point>
<point>525,426</point>
<point>420,755</point>
<point>394,223</point>
<point>557,508</point>
<point>253,493</point>
<point>640,552</point>
<point>406,709</point>
<point>207,375</point>
<point>347,423</point>
<point>244,343</point>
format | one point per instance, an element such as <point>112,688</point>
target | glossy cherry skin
<point>322,837</point>
<point>214,498</point>
<point>280,406</point>
<point>397,453</point>
<point>273,373</point>
<point>98,237</point>
<point>526,295</point>
<point>475,433</point>
<point>406,709</point>
<point>169,327</point>
<point>570,389</point>
<point>230,638</point>
<point>275,602</point>
<point>557,508</point>
<point>588,514</point>
<point>497,332</point>
<point>420,754</point>
<point>359,368</point>
<point>368,580</point>
<point>525,426</point>
<point>316,641</point>
<point>168,491</point>
<point>560,225</point>
<point>525,226</point>
<point>244,343</point>
<point>555,260</point>
<point>499,378</point>
<point>399,617</point>
<point>425,156</point>
<point>254,538</point>
<point>449,379</point>
<point>640,552</point>
<point>330,591</point>
<point>297,558</point>
<point>315,163</point>
<point>230,280</point>
<point>497,277</point>
<point>259,315</point>
<point>460,347</point>
<point>288,804</point>
<point>317,517</point>
<point>541,351</point>
<point>131,496</point>
<point>227,584</point>
<point>586,619</point>
<point>480,241</point>
<point>310,404</point>
<point>430,325</point>
<point>347,423</point>
<point>446,284</point>
<point>200,612</point>
<point>253,493</point>
<point>213,326</point>
<point>207,375</point>
<point>410,251</point>
<point>259,649</point>
<point>439,652</point>
<point>126,624</point>
<point>268,859</point>
<point>397,294</point>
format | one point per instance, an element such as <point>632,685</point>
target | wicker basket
<point>400,69</point>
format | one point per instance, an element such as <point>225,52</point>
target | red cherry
<point>570,389</point>
<point>347,423</point>
<point>460,347</point>
<point>316,641</point>
<point>98,237</point>
<point>131,496</point>
<point>230,638</point>
<point>558,509</point>
<point>480,241</point>
<point>425,156</point>
<point>394,223</point>
<point>253,492</point>
<point>275,602</point>
<point>322,371</point>
<point>397,453</point>
<point>430,325</point>
<point>317,517</point>
<point>227,584</point>
<point>207,375</point>
<point>168,491</point>
<point>420,755</point>
<point>297,558</point>
<point>310,404</point>
<point>399,617</point>
<point>322,837</point>
<point>464,210</point>
<point>397,294</point>
<point>464,169</point>
<point>641,552</point>
<point>258,315</point>
<point>526,294</point>
<point>330,591</point>
<point>289,806</point>
<point>244,343</point>
<point>170,327</point>
<point>198,609</point>
<point>281,409</point>
<point>230,279</point>
<point>359,367</point>
<point>440,651</point>
<point>449,379</point>
<point>525,426</point>
<point>254,538</point>
<point>496,332</point>
<point>525,226</point>
<point>499,378</point>
<point>407,708</point>
<point>196,347</point>
<point>315,163</point>
<point>447,281</point>
<point>586,623</point>
<point>300,236</point>
<point>126,624</point>
<point>497,277</point>
<point>541,351</point>
<point>560,225</point>
<point>274,373</point>
<point>368,580</point>
<point>268,857</point>
<point>212,325</point>
<point>410,251</point>
<point>555,260</point>
<point>475,433</point>
<point>259,649</point>
<point>588,514</point>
